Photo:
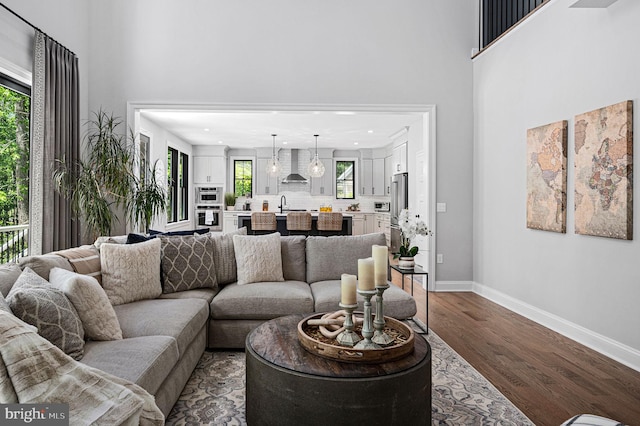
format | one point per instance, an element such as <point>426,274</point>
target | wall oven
<point>209,195</point>
<point>209,216</point>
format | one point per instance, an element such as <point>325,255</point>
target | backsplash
<point>304,200</point>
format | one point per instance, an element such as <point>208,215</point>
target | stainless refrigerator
<point>399,201</point>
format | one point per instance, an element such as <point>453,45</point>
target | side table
<point>416,270</point>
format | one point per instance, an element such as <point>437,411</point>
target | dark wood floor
<point>549,377</point>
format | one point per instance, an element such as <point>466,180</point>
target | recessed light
<point>345,113</point>
<point>206,130</point>
<point>284,143</point>
<point>370,131</point>
<point>355,143</point>
<point>219,141</point>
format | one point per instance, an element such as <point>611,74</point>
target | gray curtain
<point>55,133</point>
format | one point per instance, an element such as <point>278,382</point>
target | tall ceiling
<point>253,129</point>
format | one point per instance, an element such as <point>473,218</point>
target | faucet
<point>282,204</point>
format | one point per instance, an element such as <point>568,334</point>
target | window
<point>178,185</point>
<point>345,181</point>
<point>144,146</point>
<point>242,177</point>
<point>14,168</point>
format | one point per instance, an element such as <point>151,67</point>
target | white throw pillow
<point>98,318</point>
<point>131,272</point>
<point>259,258</point>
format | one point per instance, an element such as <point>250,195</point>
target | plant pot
<point>406,262</point>
<point>231,207</point>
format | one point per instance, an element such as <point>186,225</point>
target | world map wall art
<point>604,172</point>
<point>547,177</point>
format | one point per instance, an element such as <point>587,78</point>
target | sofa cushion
<point>36,302</point>
<point>330,257</point>
<point>224,256</point>
<point>131,272</point>
<point>4,305</point>
<point>397,303</point>
<point>294,259</point>
<point>265,300</point>
<point>9,273</point>
<point>187,263</point>
<point>98,318</point>
<point>84,260</point>
<point>206,294</point>
<point>44,263</point>
<point>145,361</point>
<point>259,258</point>
<point>116,239</point>
<point>181,319</point>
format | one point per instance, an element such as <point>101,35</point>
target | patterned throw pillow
<point>224,256</point>
<point>98,318</point>
<point>131,272</point>
<point>259,258</point>
<point>36,302</point>
<point>84,260</point>
<point>187,263</point>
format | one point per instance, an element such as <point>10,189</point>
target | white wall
<point>560,63</point>
<point>406,52</point>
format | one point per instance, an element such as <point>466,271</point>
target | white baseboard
<point>613,349</point>
<point>453,286</point>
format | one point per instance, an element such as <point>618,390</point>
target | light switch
<point>441,207</point>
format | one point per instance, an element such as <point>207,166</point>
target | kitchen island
<point>244,219</point>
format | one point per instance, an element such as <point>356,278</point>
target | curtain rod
<point>36,28</point>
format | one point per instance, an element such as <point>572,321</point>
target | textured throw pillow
<point>259,258</point>
<point>224,256</point>
<point>4,306</point>
<point>84,260</point>
<point>118,239</point>
<point>36,302</point>
<point>187,263</point>
<point>98,318</point>
<point>131,272</point>
<point>9,273</point>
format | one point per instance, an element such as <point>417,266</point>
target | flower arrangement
<point>410,227</point>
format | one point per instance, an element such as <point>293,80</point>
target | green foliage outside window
<point>345,183</point>
<point>242,177</point>
<point>14,157</point>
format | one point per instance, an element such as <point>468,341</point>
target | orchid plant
<point>410,227</point>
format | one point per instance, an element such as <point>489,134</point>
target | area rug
<point>214,394</point>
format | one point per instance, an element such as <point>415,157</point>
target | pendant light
<point>274,168</point>
<point>316,168</point>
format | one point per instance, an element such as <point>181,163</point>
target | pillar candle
<point>348,289</point>
<point>365,274</point>
<point>380,260</point>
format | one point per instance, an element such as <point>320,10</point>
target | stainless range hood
<point>294,177</point>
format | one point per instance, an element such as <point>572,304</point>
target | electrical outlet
<point>440,258</point>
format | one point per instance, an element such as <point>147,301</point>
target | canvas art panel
<point>603,172</point>
<point>547,177</point>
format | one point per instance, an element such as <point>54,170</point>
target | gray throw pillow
<point>4,305</point>
<point>294,259</point>
<point>187,263</point>
<point>259,258</point>
<point>43,263</point>
<point>36,302</point>
<point>131,272</point>
<point>9,273</point>
<point>224,256</point>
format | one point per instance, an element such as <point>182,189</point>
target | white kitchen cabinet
<point>324,185</point>
<point>265,184</point>
<point>372,177</point>
<point>209,170</point>
<point>383,225</point>
<point>400,158</point>
<point>363,223</point>
<point>229,222</point>
<point>388,174</point>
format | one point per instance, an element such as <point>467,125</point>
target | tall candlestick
<point>348,289</point>
<point>365,274</point>
<point>380,260</point>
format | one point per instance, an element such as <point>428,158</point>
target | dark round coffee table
<point>286,385</point>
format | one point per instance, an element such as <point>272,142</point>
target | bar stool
<point>263,223</point>
<point>299,223</point>
<point>329,223</point>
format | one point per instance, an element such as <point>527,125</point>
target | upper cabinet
<point>399,157</point>
<point>209,170</point>
<point>324,185</point>
<point>372,180</point>
<point>265,184</point>
<point>388,174</point>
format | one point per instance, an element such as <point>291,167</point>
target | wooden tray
<point>401,349</point>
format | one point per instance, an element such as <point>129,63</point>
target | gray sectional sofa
<point>164,337</point>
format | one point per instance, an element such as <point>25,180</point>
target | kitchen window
<point>345,179</point>
<point>178,185</point>
<point>242,177</point>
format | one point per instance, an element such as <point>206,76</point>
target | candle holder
<point>379,336</point>
<point>367,326</point>
<point>348,337</point>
